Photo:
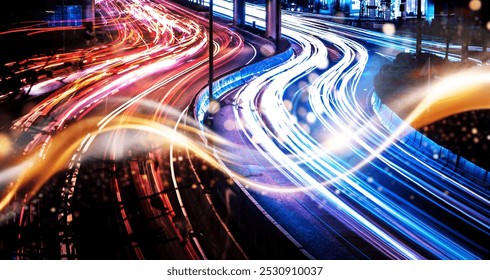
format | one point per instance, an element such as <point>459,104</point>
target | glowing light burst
<point>457,93</point>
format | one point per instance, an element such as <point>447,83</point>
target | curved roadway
<point>330,154</point>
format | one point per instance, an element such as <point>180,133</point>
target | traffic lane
<point>319,238</point>
<point>84,113</point>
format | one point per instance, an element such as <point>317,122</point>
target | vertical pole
<point>89,19</point>
<point>63,22</point>
<point>360,12</point>
<point>278,23</point>
<point>273,20</point>
<point>211,58</point>
<point>448,31</point>
<point>419,28</point>
<point>92,13</point>
<point>485,16</point>
<point>403,9</point>
<point>239,13</point>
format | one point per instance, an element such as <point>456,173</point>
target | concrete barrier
<point>252,224</point>
<point>230,81</point>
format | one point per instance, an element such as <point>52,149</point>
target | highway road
<point>120,104</point>
<point>342,166</point>
<point>102,158</point>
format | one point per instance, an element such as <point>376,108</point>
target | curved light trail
<point>158,57</point>
<point>403,204</point>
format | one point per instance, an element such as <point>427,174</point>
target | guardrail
<point>269,239</point>
<point>230,81</point>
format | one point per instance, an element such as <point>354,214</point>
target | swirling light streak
<point>270,148</point>
<point>134,101</point>
<point>460,92</point>
<point>88,97</point>
<point>393,42</point>
<point>473,214</point>
<point>280,122</point>
<point>176,41</point>
<point>338,110</point>
<point>77,138</point>
<point>340,116</point>
<point>159,47</point>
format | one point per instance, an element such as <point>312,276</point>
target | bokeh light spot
<point>310,117</point>
<point>288,105</point>
<point>312,77</point>
<point>267,50</point>
<point>322,64</point>
<point>305,127</point>
<point>5,145</point>
<point>475,5</point>
<point>389,28</point>
<point>229,124</point>
<point>302,111</point>
<point>214,107</point>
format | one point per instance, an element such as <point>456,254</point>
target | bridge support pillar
<point>273,20</point>
<point>89,15</point>
<point>239,13</point>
